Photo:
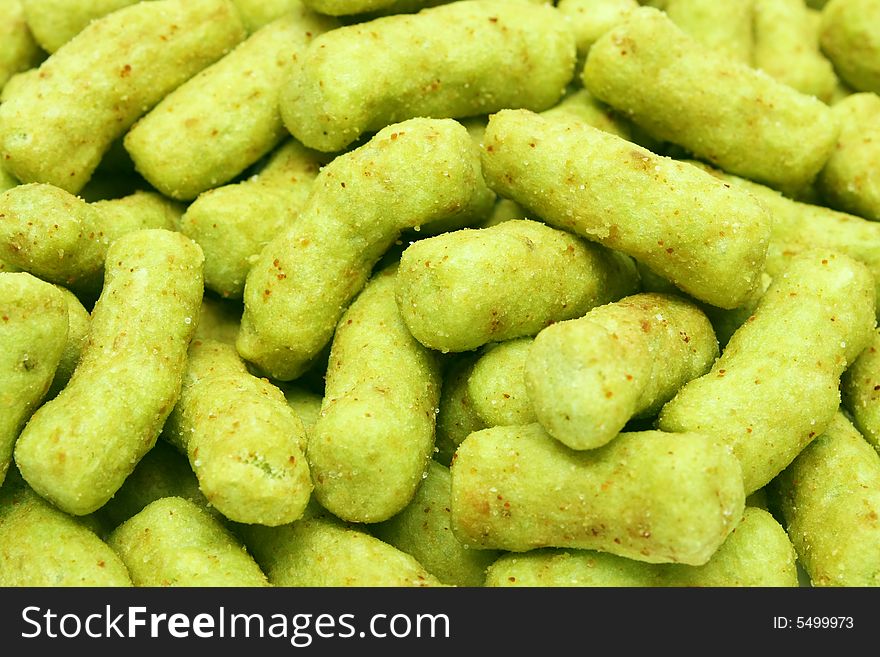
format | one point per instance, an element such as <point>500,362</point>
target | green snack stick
<point>322,551</point>
<point>78,448</point>
<point>787,48</point>
<point>589,376</point>
<point>724,26</point>
<point>590,19</point>
<point>163,472</point>
<point>245,444</point>
<point>173,542</point>
<point>33,335</point>
<point>305,403</point>
<point>7,180</point>
<point>649,496</point>
<point>721,110</point>
<point>233,223</point>
<point>18,49</point>
<point>78,322</point>
<point>215,125</point>
<point>830,499</point>
<point>62,239</point>
<point>860,392</point>
<point>15,82</point>
<point>496,387</point>
<point>850,180</point>
<point>371,444</point>
<point>103,79</point>
<point>775,387</point>
<point>41,546</point>
<point>611,191</point>
<point>257,13</point>
<point>850,39</point>
<point>456,60</point>
<point>757,553</point>
<point>423,530</point>
<point>55,22</point>
<point>410,173</point>
<point>529,275</point>
<point>218,320</point>
<point>456,417</point>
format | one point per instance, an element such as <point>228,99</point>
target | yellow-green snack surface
<point>724,26</point>
<point>850,180</point>
<point>589,376</point>
<point>245,444</point>
<point>62,239</point>
<point>496,387</point>
<point>78,448</point>
<point>322,551</point>
<point>850,39</point>
<point>756,553</point>
<point>860,392</point>
<point>55,22</point>
<point>611,191</point>
<point>78,322</point>
<point>830,499</point>
<point>584,106</point>
<point>719,109</point>
<point>460,290</point>
<point>18,49</point>
<point>371,444</point>
<point>215,125</point>
<point>423,529</point>
<point>173,542</point>
<point>649,496</point>
<point>787,48</point>
<point>409,174</point>
<point>775,387</point>
<point>590,19</point>
<point>219,320</point>
<point>233,223</point>
<point>305,403</point>
<point>257,13</point>
<point>457,60</point>
<point>103,79</point>
<point>44,547</point>
<point>33,335</point>
<point>456,416</point>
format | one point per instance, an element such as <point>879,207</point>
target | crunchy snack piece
<point>460,290</point>
<point>588,377</point>
<point>649,496</point>
<point>850,39</point>
<point>721,110</point>
<point>173,542</point>
<point>590,19</point>
<point>55,22</point>
<point>611,191</point>
<point>756,553</point>
<point>775,387</point>
<point>724,26</point>
<point>218,320</point>
<point>102,80</point>
<point>33,335</point>
<point>371,444</point>
<point>42,546</point>
<point>496,387</point>
<point>456,60</point>
<point>78,448</point>
<point>860,391</point>
<point>18,49</point>
<point>830,501</point>
<point>410,173</point>
<point>456,417</point>
<point>78,323</point>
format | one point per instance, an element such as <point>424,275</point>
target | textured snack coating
<point>860,392</point>
<point>55,22</point>
<point>589,376</point>
<point>18,49</point>
<point>775,387</point>
<point>371,444</point>
<point>78,448</point>
<point>611,191</point>
<point>460,290</point>
<point>102,80</point>
<point>649,496</point>
<point>721,110</point>
<point>457,60</point>
<point>724,26</point>
<point>409,174</point>
<point>850,39</point>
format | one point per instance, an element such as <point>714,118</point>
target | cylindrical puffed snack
<point>611,191</point>
<point>371,444</point>
<point>721,110</point>
<point>650,496</point>
<point>850,39</point>
<point>55,22</point>
<point>860,392</point>
<point>102,80</point>
<point>461,59</point>
<point>590,19</point>
<point>78,448</point>
<point>724,26</point>
<point>588,377</point>
<point>775,387</point>
<point>410,173</point>
<point>78,322</point>
<point>173,542</point>
<point>18,49</point>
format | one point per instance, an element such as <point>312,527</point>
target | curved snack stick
<point>78,448</point>
<point>18,49</point>
<point>456,60</point>
<point>55,22</point>
<point>102,80</point>
<point>78,322</point>
<point>849,38</point>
